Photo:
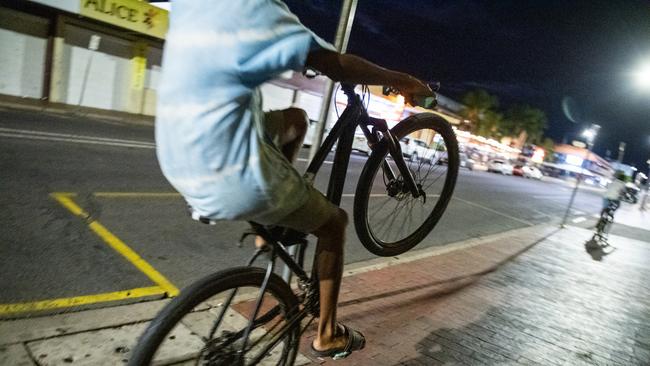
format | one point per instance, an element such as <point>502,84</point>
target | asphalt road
<point>48,253</point>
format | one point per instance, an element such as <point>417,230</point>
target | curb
<point>414,255</point>
<point>35,105</point>
<point>49,326</point>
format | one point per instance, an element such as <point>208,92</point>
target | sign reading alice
<point>135,15</point>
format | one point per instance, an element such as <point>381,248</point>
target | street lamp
<point>590,136</point>
<point>642,76</point>
<point>647,188</point>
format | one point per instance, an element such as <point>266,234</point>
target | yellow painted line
<point>28,307</point>
<point>136,194</point>
<point>118,245</point>
<point>133,257</point>
<point>67,202</point>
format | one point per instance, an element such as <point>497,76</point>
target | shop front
<point>91,53</point>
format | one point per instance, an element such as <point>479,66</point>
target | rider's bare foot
<point>338,341</point>
<point>340,346</point>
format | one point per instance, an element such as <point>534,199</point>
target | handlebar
<point>427,102</point>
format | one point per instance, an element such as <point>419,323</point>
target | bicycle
<point>257,315</point>
<point>599,240</point>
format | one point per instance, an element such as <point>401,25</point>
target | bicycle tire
<point>204,289</point>
<point>407,126</point>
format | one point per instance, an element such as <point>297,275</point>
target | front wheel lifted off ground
<point>388,219</point>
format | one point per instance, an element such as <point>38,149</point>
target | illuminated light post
<point>348,11</point>
<point>642,77</point>
<point>647,189</point>
<point>589,135</point>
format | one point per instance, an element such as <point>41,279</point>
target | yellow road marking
<point>133,257</point>
<point>136,194</point>
<point>6,309</point>
<point>67,202</point>
<point>118,245</point>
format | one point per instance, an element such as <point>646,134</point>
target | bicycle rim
<point>389,220</point>
<point>207,324</point>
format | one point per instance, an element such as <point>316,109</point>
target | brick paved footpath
<point>550,305</point>
<point>531,296</point>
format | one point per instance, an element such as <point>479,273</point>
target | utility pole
<point>621,151</point>
<point>647,189</point>
<point>341,43</point>
<point>590,134</point>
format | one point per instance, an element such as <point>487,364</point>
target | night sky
<point>524,51</point>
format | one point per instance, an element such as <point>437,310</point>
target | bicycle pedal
<point>243,237</point>
<point>293,237</point>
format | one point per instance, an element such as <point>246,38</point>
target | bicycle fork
<point>395,150</point>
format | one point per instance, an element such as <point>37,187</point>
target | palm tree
<point>524,121</point>
<point>549,148</point>
<point>476,106</point>
<point>489,124</point>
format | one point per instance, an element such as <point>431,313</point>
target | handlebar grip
<point>426,102</point>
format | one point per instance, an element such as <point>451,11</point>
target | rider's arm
<point>356,70</point>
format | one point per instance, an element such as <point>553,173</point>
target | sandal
<point>356,342</point>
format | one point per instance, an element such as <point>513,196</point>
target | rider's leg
<point>293,132</point>
<point>327,222</point>
<point>288,128</point>
<point>329,266</point>
<point>289,134</point>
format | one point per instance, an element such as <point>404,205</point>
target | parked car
<point>518,170</point>
<point>311,132</point>
<point>417,150</point>
<point>532,172</point>
<point>499,166</point>
<point>442,158</point>
<point>631,193</point>
<point>465,161</point>
<point>360,143</point>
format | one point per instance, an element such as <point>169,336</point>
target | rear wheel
<point>388,219</point>
<point>209,330</point>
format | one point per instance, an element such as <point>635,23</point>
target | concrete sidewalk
<point>530,296</point>
<point>631,215</point>
<point>29,104</point>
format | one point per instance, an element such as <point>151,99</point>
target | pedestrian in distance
<point>615,190</point>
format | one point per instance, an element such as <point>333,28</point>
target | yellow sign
<point>138,66</point>
<point>135,15</point>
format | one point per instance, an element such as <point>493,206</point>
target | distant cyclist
<point>232,161</point>
<point>615,190</point>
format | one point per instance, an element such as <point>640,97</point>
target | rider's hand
<point>411,87</point>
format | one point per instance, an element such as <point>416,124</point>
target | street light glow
<point>589,134</point>
<point>642,76</point>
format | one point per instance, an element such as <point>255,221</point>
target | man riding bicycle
<point>614,190</point>
<point>232,161</point>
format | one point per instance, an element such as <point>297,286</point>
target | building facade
<point>94,53</point>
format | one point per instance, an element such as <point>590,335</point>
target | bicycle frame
<point>353,116</point>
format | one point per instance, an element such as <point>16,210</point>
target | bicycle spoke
<point>391,222</point>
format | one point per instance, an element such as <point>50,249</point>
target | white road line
<point>578,220</point>
<point>71,136</point>
<point>306,160</point>
<point>494,211</point>
<point>79,141</point>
